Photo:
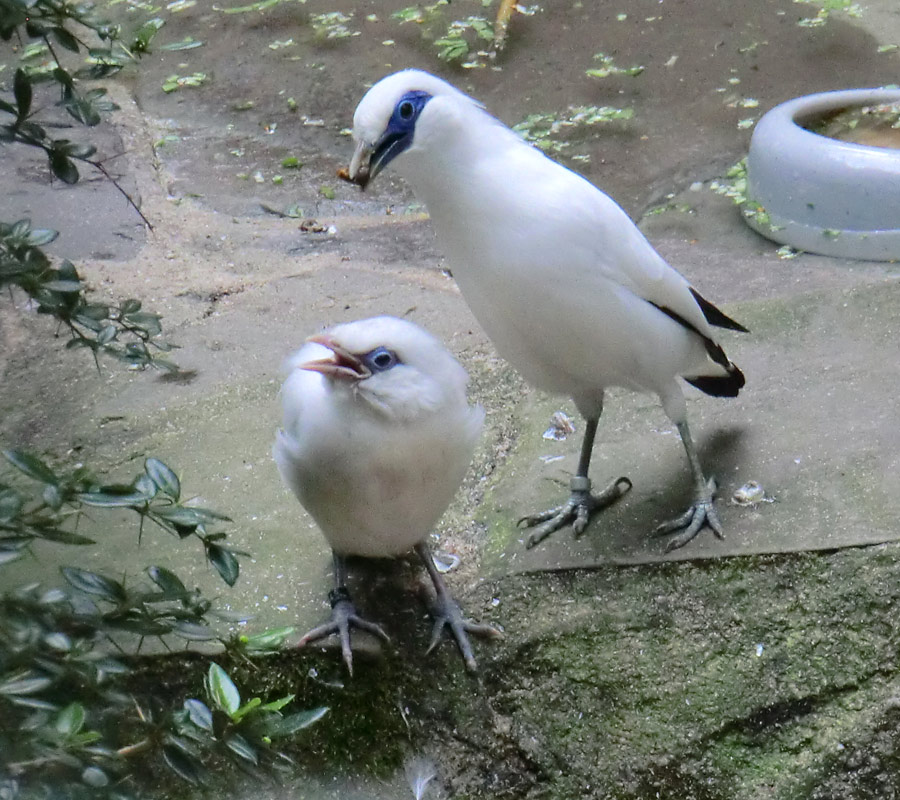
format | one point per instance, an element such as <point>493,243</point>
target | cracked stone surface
<point>768,674</point>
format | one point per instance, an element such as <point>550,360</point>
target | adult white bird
<point>377,435</point>
<point>563,282</point>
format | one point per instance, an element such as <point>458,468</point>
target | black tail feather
<point>720,385</point>
<point>715,385</point>
<point>714,316</point>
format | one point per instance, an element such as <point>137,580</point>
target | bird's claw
<point>447,614</point>
<point>577,510</point>
<point>343,617</point>
<point>701,514</point>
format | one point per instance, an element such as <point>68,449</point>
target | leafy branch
<point>47,21</point>
<point>123,331</point>
<point>52,509</point>
<point>66,728</point>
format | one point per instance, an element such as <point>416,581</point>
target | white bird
<point>376,438</point>
<point>563,282</point>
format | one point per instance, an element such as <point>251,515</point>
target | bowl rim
<point>787,161</point>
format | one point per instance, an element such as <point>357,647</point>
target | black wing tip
<point>720,385</point>
<point>714,316</point>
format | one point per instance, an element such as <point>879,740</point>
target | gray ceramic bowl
<point>820,194</point>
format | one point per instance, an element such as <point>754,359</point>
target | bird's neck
<point>449,175</point>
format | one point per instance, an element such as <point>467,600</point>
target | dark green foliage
<point>66,728</point>
<point>49,508</point>
<point>122,331</point>
<point>241,733</point>
<point>65,27</point>
<point>67,731</point>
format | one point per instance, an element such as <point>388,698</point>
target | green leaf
<point>111,666</point>
<point>20,228</point>
<point>192,631</point>
<point>277,705</point>
<point>35,30</point>
<point>23,684</point>
<point>149,323</point>
<point>82,151</point>
<point>268,640</point>
<point>130,306</point>
<point>95,777</point>
<point>70,720</point>
<point>9,555</point>
<point>107,335</point>
<point>185,44</point>
<point>41,236</point>
<point>221,690</point>
<point>22,92</point>
<point>52,496</point>
<point>225,563</point>
<point>52,596</point>
<point>66,39</point>
<point>199,714</point>
<point>178,519</point>
<point>92,583</point>
<point>168,581</point>
<point>11,503</point>
<point>452,48</point>
<point>61,536</point>
<point>291,724</point>
<point>96,311</point>
<point>184,764</point>
<point>115,496</point>
<point>253,702</point>
<point>141,625</point>
<point>58,641</point>
<point>82,109</point>
<point>239,745</point>
<point>165,478</point>
<point>65,80</point>
<point>61,166</point>
<point>32,466</point>
<point>145,34</point>
<point>144,485</point>
<point>187,518</point>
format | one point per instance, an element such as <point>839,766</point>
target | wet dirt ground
<point>756,676</point>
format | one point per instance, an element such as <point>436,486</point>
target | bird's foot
<point>343,617</point>
<point>577,510</point>
<point>447,614</point>
<point>701,514</point>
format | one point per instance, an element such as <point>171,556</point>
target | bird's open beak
<point>341,365</point>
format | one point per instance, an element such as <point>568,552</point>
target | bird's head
<point>392,365</point>
<point>399,114</point>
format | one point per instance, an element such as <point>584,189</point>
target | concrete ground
<point>771,673</point>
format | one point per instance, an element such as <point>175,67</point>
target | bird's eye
<point>381,359</point>
<point>406,110</point>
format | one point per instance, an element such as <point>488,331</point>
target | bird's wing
<point>602,239</point>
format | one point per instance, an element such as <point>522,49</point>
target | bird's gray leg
<point>581,503</point>
<point>447,613</point>
<point>702,512</point>
<point>343,616</point>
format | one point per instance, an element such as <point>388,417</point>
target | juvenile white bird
<point>563,282</point>
<point>376,438</point>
